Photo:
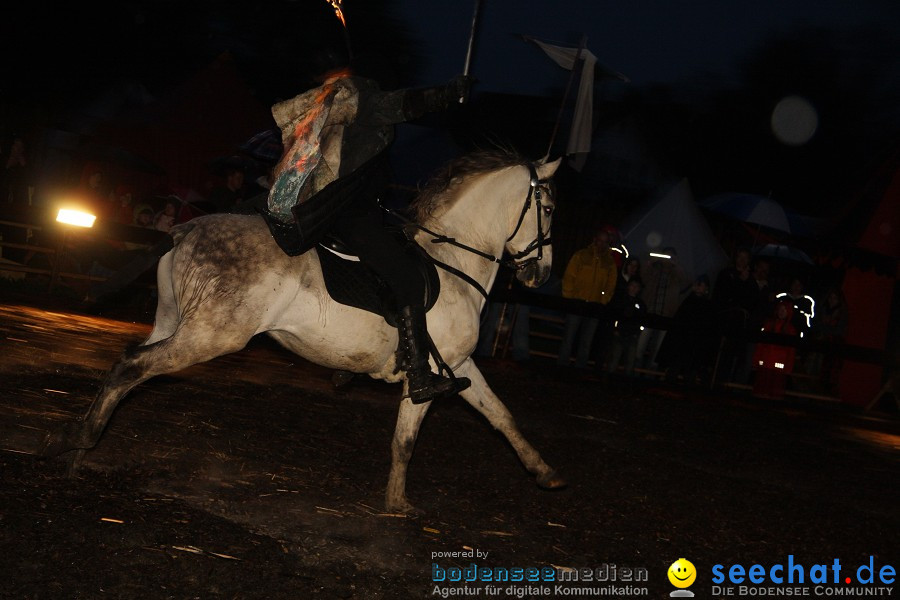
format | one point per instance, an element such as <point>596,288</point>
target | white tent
<point>675,220</point>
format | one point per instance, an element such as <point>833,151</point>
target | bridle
<point>537,187</point>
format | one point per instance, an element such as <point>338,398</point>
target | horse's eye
<point>548,210</point>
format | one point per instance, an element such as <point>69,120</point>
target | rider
<point>330,176</point>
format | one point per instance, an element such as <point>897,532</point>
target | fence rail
<point>69,257</point>
<point>69,251</point>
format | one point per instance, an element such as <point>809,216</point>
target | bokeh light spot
<point>794,120</point>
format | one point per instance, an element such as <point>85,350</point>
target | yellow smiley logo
<point>682,573</point>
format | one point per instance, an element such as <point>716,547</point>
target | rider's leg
<point>360,226</point>
<point>424,385</point>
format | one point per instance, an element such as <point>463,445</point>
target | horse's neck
<point>478,221</point>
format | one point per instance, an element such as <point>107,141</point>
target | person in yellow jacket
<point>591,277</point>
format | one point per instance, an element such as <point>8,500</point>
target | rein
<point>535,186</point>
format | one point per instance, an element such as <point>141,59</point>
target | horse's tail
<point>130,271</point>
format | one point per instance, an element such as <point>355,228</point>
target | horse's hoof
<point>551,481</point>
<point>61,441</point>
<point>401,506</point>
<point>74,462</point>
<point>55,443</point>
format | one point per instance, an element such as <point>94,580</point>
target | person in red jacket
<point>773,362</point>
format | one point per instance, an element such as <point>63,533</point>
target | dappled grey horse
<point>227,280</point>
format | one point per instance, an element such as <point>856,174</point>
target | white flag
<point>580,134</point>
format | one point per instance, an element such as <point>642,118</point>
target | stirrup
<point>436,388</point>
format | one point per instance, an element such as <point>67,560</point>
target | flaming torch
<point>336,5</point>
<point>339,13</point>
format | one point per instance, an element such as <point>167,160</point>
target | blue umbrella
<point>752,208</point>
<point>264,146</point>
<point>780,251</point>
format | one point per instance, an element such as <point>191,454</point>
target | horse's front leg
<point>485,401</point>
<point>409,419</point>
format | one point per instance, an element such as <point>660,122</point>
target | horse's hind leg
<point>409,419</point>
<point>485,401</point>
<point>136,365</point>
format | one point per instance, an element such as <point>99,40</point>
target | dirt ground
<point>253,477</point>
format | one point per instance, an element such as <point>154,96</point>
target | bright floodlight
<point>75,217</point>
<point>660,255</point>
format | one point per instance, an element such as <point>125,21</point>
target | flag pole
<point>562,106</point>
<point>469,51</point>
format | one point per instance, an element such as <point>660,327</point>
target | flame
<point>336,4</point>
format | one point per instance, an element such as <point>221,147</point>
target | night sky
<point>650,41</point>
<point>53,46</point>
<point>722,65</point>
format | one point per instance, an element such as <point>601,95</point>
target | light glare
<point>75,217</point>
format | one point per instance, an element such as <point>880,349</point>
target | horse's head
<point>529,242</point>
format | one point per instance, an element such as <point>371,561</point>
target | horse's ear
<point>545,170</point>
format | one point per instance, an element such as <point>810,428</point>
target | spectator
<point>515,319</point>
<point>734,296</point>
<point>664,281</point>
<point>829,328</point>
<point>16,178</point>
<point>94,192</point>
<point>804,307</point>
<point>764,303</point>
<point>774,362</point>
<point>124,205</point>
<point>120,210</point>
<point>590,277</point>
<point>629,312</point>
<point>15,195</point>
<point>615,245</point>
<point>143,216</point>
<point>763,307</point>
<point>689,347</point>
<point>225,196</point>
<point>804,311</point>
<point>735,289</point>
<point>165,219</point>
<point>631,269</point>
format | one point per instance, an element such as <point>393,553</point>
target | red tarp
<point>870,298</point>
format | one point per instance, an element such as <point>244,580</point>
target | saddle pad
<point>352,283</point>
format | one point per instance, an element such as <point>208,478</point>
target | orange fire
<point>336,4</point>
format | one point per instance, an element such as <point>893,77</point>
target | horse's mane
<point>432,193</point>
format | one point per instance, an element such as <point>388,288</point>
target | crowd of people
<point>114,196</point>
<point>124,204</point>
<point>628,319</point>
<point>109,192</point>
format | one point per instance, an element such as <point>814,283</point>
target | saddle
<point>352,283</point>
<point>347,280</point>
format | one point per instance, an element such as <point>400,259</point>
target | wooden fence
<point>66,255</point>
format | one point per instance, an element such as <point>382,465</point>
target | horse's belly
<point>347,346</point>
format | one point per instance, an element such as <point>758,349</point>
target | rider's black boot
<point>424,385</point>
